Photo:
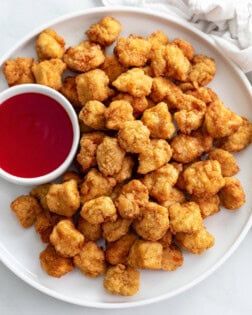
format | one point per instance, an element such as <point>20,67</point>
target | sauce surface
<point>36,135</point>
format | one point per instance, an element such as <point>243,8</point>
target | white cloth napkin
<point>229,22</point>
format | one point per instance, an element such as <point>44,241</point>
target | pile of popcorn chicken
<point>154,158</point>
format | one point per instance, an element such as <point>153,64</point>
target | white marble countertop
<point>226,292</point>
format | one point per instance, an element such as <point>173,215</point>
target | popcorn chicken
<point>26,208</point>
<point>66,239</point>
<point>126,169</point>
<point>84,57</point>
<point>208,205</point>
<point>112,231</point>
<point>91,260</point>
<point>157,38</point>
<point>159,121</point>
<point>40,192</point>
<point>112,67</point>
<point>204,94</point>
<point>153,222</point>
<point>95,185</point>
<point>229,166</point>
<point>221,121</point>
<point>160,182</point>
<point>155,155</point>
<point>166,240</point>
<point>186,47</point>
<point>232,196</point>
<point>133,51</point>
<point>99,210</point>
<point>89,142</point>
<point>71,175</point>
<point>172,258</point>
<point>109,156</point>
<point>197,242</point>
<point>134,82</point>
<point>117,113</point>
<point>105,31</point>
<point>49,72</point>
<point>117,252</point>
<point>121,279</point>
<point>91,232</point>
<point>18,71</point>
<point>93,114</point>
<point>139,104</point>
<point>133,136</point>
<point>145,255</point>
<point>93,85</point>
<point>69,90</point>
<point>175,195</point>
<point>189,120</point>
<point>64,199</point>
<point>49,45</point>
<point>203,178</point>
<point>127,207</point>
<point>202,71</point>
<point>54,264</point>
<point>136,190</point>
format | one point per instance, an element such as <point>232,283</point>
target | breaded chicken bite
<point>153,222</point>
<point>135,82</point>
<point>133,51</point>
<point>145,255</point>
<point>95,184</point>
<point>203,178</point>
<point>66,239</point>
<point>26,208</point>
<point>185,217</point>
<point>175,195</point>
<point>155,155</point>
<point>109,156</point>
<point>159,121</point>
<point>84,57</point>
<point>93,114</point>
<point>54,264</point>
<point>122,280</point>
<point>117,252</point>
<point>49,72</point>
<point>229,166</point>
<point>71,175</point>
<point>186,47</point>
<point>197,242</point>
<point>157,38</point>
<point>91,260</point>
<point>166,240</point>
<point>105,31</point>
<point>139,104</point>
<point>93,85</point>
<point>133,136</point>
<point>89,142</point>
<point>40,192</point>
<point>18,71</point>
<point>91,232</point>
<point>68,89</point>
<point>117,113</point>
<point>112,67</point>
<point>204,94</point>
<point>202,71</point>
<point>112,231</point>
<point>221,121</point>
<point>189,120</point>
<point>64,199</point>
<point>172,258</point>
<point>126,169</point>
<point>232,195</point>
<point>127,207</point>
<point>136,190</point>
<point>49,45</point>
<point>208,206</point>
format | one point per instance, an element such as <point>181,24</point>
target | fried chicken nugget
<point>69,90</point>
<point>49,72</point>
<point>189,120</point>
<point>117,113</point>
<point>91,260</point>
<point>112,67</point>
<point>185,217</point>
<point>153,222</point>
<point>232,195</point>
<point>204,94</point>
<point>19,71</point>
<point>155,155</point>
<point>172,258</point>
<point>159,121</point>
<point>126,170</point>
<point>139,104</point>
<point>166,240</point>
<point>112,231</point>
<point>64,199</point>
<point>40,192</point>
<point>133,51</point>
<point>54,264</point>
<point>135,82</point>
<point>66,239</point>
<point>136,190</point>
<point>26,208</point>
<point>203,178</point>
<point>229,166</point>
<point>121,279</point>
<point>105,31</point>
<point>186,47</point>
<point>175,195</point>
<point>157,38</point>
<point>93,114</point>
<point>91,232</point>
<point>49,45</point>
<point>127,206</point>
<point>197,242</point>
<point>221,121</point>
<point>208,205</point>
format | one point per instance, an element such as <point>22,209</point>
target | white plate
<point>19,248</point>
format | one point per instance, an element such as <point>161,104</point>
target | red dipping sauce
<point>36,135</point>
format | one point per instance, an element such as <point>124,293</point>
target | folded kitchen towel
<point>229,22</point>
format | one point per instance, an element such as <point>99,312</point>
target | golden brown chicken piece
<point>175,195</point>
<point>186,47</point>
<point>208,205</point>
<point>112,67</point>
<point>93,115</point>
<point>232,195</point>
<point>117,113</point>
<point>157,38</point>
<point>139,104</point>
<point>69,90</point>
<point>172,258</point>
<point>91,232</point>
<point>40,192</point>
<point>112,231</point>
<point>229,166</point>
<point>126,169</point>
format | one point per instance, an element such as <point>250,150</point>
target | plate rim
<point>128,304</point>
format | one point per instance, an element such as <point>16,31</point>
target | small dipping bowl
<point>39,134</point>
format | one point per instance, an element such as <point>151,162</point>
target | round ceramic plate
<point>20,248</point>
